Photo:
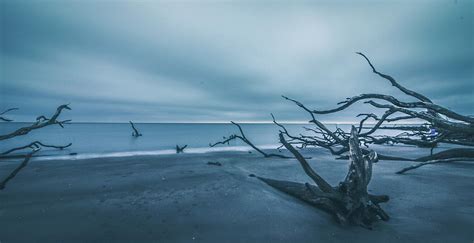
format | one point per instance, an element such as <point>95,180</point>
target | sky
<point>216,61</point>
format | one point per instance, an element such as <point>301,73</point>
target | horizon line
<point>229,122</point>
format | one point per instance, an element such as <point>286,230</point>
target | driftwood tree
<point>33,147</point>
<point>435,125</point>
<point>349,201</point>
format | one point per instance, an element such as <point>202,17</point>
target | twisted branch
<point>244,139</point>
<point>41,122</point>
<point>6,111</point>
<point>35,145</point>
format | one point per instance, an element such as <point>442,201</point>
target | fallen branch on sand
<point>420,164</point>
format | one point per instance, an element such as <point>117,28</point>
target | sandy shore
<point>179,198</point>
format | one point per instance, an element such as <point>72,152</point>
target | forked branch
<point>41,122</point>
<point>2,118</point>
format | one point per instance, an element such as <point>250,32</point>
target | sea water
<point>90,140</point>
<point>107,138</point>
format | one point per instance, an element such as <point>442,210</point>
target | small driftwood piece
<point>135,132</point>
<point>349,202</point>
<point>216,163</point>
<point>180,149</point>
<point>438,161</point>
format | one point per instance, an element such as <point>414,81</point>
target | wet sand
<point>180,198</point>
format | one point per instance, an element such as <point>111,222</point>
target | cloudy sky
<point>195,61</point>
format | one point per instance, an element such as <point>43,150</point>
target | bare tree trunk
<point>349,202</point>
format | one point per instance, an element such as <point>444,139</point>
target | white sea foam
<point>201,150</point>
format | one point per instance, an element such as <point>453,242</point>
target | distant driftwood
<point>180,149</point>
<point>216,163</point>
<point>35,146</point>
<point>135,132</point>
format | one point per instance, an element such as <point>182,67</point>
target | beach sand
<point>180,198</point>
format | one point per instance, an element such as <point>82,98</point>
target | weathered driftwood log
<point>244,139</point>
<point>135,132</point>
<point>349,201</point>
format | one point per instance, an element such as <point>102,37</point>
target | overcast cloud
<point>219,61</point>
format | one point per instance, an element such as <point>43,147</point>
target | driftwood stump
<point>349,202</point>
<point>135,132</point>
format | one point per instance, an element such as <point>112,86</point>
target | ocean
<point>92,140</point>
<point>115,139</point>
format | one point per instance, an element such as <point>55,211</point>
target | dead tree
<point>180,149</point>
<point>35,146</point>
<point>244,139</point>
<point>349,201</point>
<point>439,125</point>
<point>135,132</point>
